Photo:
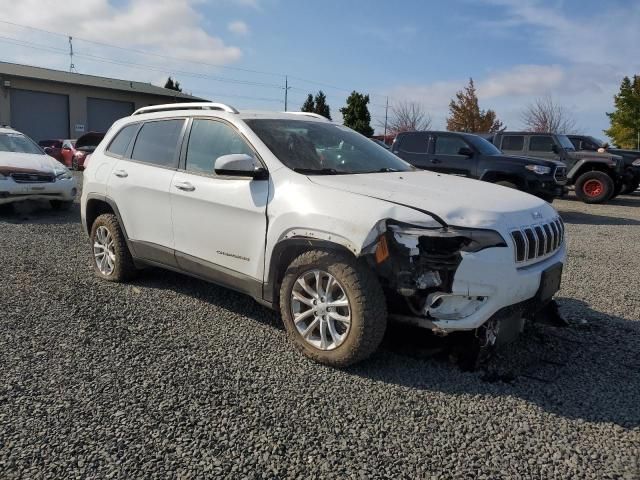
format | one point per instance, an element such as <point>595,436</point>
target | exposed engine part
<point>447,306</point>
<point>428,280</point>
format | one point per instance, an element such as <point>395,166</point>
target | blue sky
<point>516,50</point>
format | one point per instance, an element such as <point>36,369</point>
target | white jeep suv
<point>314,219</point>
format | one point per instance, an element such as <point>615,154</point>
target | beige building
<point>52,104</point>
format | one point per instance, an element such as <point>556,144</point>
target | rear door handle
<point>435,160</point>
<point>121,173</point>
<point>185,186</point>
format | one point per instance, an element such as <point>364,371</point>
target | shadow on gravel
<point>589,370</point>
<point>580,218</point>
<point>629,200</point>
<point>39,212</point>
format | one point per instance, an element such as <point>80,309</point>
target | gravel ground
<point>172,377</point>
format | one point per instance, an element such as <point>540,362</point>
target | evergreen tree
<point>321,107</point>
<point>172,84</point>
<point>625,120</point>
<point>465,114</point>
<point>308,105</point>
<point>356,113</point>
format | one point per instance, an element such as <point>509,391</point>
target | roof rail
<point>186,106</point>
<point>310,114</point>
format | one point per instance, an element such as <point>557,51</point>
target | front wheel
<point>112,260</point>
<point>594,187</point>
<point>333,307</point>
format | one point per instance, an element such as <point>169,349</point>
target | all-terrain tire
<point>594,187</point>
<point>366,301</point>
<point>124,268</point>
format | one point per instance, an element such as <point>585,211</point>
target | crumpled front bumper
<point>493,276</point>
<point>61,189</point>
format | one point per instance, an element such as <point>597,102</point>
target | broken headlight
<point>446,239</point>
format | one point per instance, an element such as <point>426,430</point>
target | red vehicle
<point>85,145</point>
<point>61,150</point>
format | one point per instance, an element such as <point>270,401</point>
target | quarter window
<point>513,142</point>
<point>449,145</point>
<point>209,140</point>
<point>157,142</point>
<point>541,143</point>
<point>120,142</point>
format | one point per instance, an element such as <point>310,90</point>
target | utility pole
<point>386,115</point>
<point>286,91</point>
<point>72,67</point>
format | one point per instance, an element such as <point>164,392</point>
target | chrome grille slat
<point>537,241</point>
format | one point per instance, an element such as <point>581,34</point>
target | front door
<point>219,222</point>
<point>448,159</point>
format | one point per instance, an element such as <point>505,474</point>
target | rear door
<point>414,148</point>
<point>219,221</point>
<point>447,159</point>
<point>140,183</point>
<point>511,144</point>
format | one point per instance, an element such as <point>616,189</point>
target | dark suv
<point>631,159</point>
<point>597,176</point>
<point>472,156</point>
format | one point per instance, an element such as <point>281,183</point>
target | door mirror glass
<point>466,151</point>
<point>239,165</point>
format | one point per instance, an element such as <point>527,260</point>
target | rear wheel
<point>333,307</point>
<point>74,163</point>
<point>594,187</point>
<point>112,260</point>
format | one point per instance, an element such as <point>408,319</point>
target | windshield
<point>18,143</point>
<point>484,146</point>
<point>324,148</point>
<point>566,143</point>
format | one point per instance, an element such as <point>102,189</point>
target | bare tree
<point>544,115</point>
<point>407,117</point>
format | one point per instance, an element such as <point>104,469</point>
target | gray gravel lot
<point>172,377</point>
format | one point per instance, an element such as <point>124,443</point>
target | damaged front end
<point>417,265</point>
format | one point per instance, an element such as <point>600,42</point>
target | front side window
<point>18,143</point>
<point>541,143</point>
<point>120,142</point>
<point>157,142</point>
<point>209,140</point>
<point>513,142</point>
<point>447,145</point>
<point>324,148</point>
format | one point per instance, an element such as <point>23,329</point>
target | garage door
<point>102,113</point>
<point>40,115</point>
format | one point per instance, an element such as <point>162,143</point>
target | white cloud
<point>238,27</point>
<point>170,27</point>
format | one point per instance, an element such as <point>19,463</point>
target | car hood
<point>457,201</point>
<point>580,154</point>
<point>11,162</point>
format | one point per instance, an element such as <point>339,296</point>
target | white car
<point>27,173</point>
<point>314,219</point>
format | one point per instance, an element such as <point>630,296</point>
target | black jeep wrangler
<point>597,177</point>
<point>631,159</point>
<point>472,156</point>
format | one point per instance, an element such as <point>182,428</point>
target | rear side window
<point>513,142</point>
<point>157,142</point>
<point>447,145</point>
<point>414,143</point>
<point>541,143</point>
<point>120,142</point>
<point>209,140</point>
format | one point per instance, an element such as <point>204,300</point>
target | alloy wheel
<point>103,251</point>
<point>320,309</point>
<point>593,188</point>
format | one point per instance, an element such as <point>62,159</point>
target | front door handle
<point>435,160</point>
<point>121,173</point>
<point>185,186</point>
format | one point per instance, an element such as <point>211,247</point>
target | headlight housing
<point>448,239</point>
<point>539,169</point>
<point>63,174</point>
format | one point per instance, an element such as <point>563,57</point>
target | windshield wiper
<point>318,171</point>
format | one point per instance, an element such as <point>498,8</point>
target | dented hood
<point>12,162</point>
<point>457,201</point>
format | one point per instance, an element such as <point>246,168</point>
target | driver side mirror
<point>466,151</point>
<point>239,165</point>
